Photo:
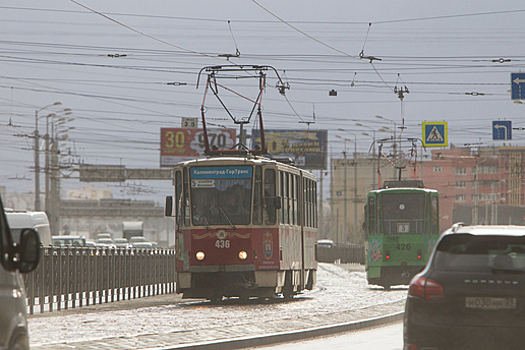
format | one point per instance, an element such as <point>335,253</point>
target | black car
<point>471,294</point>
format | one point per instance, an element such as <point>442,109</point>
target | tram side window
<point>306,205</point>
<point>287,198</point>
<point>270,198</point>
<point>257,197</point>
<point>178,197</point>
<point>371,215</point>
<point>314,205</point>
<point>428,215</point>
<point>295,209</point>
<point>186,199</point>
<point>310,201</point>
<point>283,210</point>
<point>435,215</point>
<point>307,196</point>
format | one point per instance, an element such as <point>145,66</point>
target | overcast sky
<point>112,65</point>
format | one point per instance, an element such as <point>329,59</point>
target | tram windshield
<point>221,195</point>
<point>403,206</point>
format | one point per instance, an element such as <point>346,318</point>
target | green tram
<point>402,226</point>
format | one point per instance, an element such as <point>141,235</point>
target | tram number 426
<point>222,243</point>
<point>403,246</point>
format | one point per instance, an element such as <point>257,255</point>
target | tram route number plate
<point>491,303</point>
<point>203,183</point>
<point>403,227</point>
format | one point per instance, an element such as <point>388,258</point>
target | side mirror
<point>168,209</point>
<point>27,254</point>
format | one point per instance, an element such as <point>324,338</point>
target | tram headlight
<point>200,256</point>
<point>243,255</point>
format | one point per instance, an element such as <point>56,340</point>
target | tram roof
<point>243,160</point>
<point>404,189</point>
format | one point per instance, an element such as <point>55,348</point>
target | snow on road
<point>341,295</point>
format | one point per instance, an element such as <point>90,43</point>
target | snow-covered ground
<point>341,295</point>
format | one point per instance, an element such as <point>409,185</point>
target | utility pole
<point>37,157</point>
<point>37,166</point>
<point>355,191</point>
<point>345,195</point>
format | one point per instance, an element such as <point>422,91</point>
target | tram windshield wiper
<point>227,218</point>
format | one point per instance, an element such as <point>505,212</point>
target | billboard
<point>308,148</point>
<point>181,144</point>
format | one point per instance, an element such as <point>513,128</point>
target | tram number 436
<point>403,246</point>
<point>222,243</point>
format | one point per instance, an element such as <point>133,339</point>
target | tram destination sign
<point>182,144</point>
<point>307,148</point>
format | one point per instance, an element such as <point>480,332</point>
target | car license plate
<point>491,303</point>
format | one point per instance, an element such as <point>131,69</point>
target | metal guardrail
<point>69,277</point>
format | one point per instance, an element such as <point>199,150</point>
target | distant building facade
<point>482,185</point>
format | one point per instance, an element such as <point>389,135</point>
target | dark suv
<point>471,294</point>
<point>20,256</point>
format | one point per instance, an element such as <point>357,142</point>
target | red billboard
<point>180,144</point>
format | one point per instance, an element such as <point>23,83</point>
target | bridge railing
<point>70,277</point>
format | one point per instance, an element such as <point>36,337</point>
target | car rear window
<point>473,253</point>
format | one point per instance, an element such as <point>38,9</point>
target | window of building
<point>461,184</point>
<point>461,171</point>
<point>461,197</point>
<point>485,169</point>
<point>438,169</point>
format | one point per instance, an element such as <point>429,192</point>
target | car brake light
<point>387,254</point>
<point>419,253</point>
<point>426,288</point>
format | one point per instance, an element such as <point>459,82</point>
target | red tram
<point>246,226</point>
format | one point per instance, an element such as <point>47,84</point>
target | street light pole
<point>37,166</point>
<point>37,157</point>
<point>373,152</point>
<point>345,164</point>
<point>355,182</point>
<point>54,172</point>
<point>48,200</point>
<point>355,191</point>
<point>395,136</point>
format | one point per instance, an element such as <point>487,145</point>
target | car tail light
<point>426,288</point>
<point>419,253</point>
<point>387,254</point>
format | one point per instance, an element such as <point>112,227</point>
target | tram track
<point>169,321</point>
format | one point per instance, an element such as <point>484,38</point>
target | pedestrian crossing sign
<point>435,134</point>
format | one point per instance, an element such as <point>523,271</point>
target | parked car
<point>37,220</point>
<point>121,243</point>
<point>64,241</point>
<point>103,236</point>
<point>142,245</point>
<point>136,239</point>
<point>16,257</point>
<point>471,294</point>
<point>107,241</point>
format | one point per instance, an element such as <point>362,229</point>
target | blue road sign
<point>502,130</point>
<point>517,86</point>
<point>435,134</point>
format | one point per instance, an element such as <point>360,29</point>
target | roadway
<point>385,337</point>
<point>341,298</point>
